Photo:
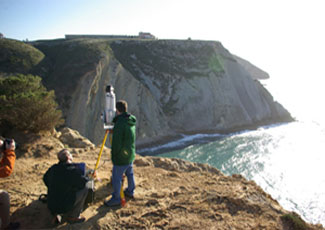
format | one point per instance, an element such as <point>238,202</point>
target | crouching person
<point>67,191</point>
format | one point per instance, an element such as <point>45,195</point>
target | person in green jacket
<point>122,152</point>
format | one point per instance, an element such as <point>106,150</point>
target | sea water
<point>286,160</point>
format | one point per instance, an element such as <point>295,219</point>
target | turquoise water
<point>286,160</point>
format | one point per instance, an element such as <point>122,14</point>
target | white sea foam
<point>186,140</point>
<point>199,138</point>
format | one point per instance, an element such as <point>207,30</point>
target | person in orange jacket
<point>7,163</point>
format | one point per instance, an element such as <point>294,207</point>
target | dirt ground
<point>170,194</point>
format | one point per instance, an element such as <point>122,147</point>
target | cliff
<point>173,87</point>
<point>170,193</point>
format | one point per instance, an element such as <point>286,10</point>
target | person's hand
<point>10,146</point>
<point>89,172</point>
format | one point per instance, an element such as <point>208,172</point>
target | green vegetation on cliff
<point>162,58</point>
<point>26,105</point>
<point>18,57</point>
<point>294,221</point>
<point>216,64</point>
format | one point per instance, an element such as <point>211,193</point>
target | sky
<point>285,38</point>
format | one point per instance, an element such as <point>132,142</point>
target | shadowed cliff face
<point>172,87</point>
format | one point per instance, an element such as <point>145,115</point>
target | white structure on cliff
<point>142,35</point>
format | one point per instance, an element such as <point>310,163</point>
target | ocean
<point>286,160</point>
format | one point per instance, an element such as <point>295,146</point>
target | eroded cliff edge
<point>173,87</point>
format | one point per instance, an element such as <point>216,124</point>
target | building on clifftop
<point>141,35</point>
<point>144,35</point>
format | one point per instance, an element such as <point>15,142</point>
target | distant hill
<point>18,57</point>
<point>173,87</point>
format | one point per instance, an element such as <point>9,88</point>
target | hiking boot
<point>75,220</point>
<point>112,203</point>
<point>128,195</point>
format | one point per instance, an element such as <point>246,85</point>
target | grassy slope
<point>18,57</point>
<point>158,57</point>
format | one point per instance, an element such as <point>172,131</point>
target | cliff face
<point>255,72</point>
<point>195,86</point>
<point>172,87</point>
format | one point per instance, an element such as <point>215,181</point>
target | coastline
<point>181,141</point>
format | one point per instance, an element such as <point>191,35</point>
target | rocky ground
<point>170,193</point>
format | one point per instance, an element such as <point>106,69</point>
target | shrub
<point>294,221</point>
<point>216,63</point>
<point>26,105</point>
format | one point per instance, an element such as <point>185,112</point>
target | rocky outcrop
<point>173,87</point>
<point>73,139</point>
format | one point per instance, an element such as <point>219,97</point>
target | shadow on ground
<point>37,216</point>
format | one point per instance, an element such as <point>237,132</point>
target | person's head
<point>65,156</point>
<point>121,106</point>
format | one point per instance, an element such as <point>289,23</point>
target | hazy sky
<point>283,37</point>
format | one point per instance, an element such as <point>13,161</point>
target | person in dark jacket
<point>122,152</point>
<point>67,192</point>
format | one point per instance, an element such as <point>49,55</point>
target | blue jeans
<point>118,171</point>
